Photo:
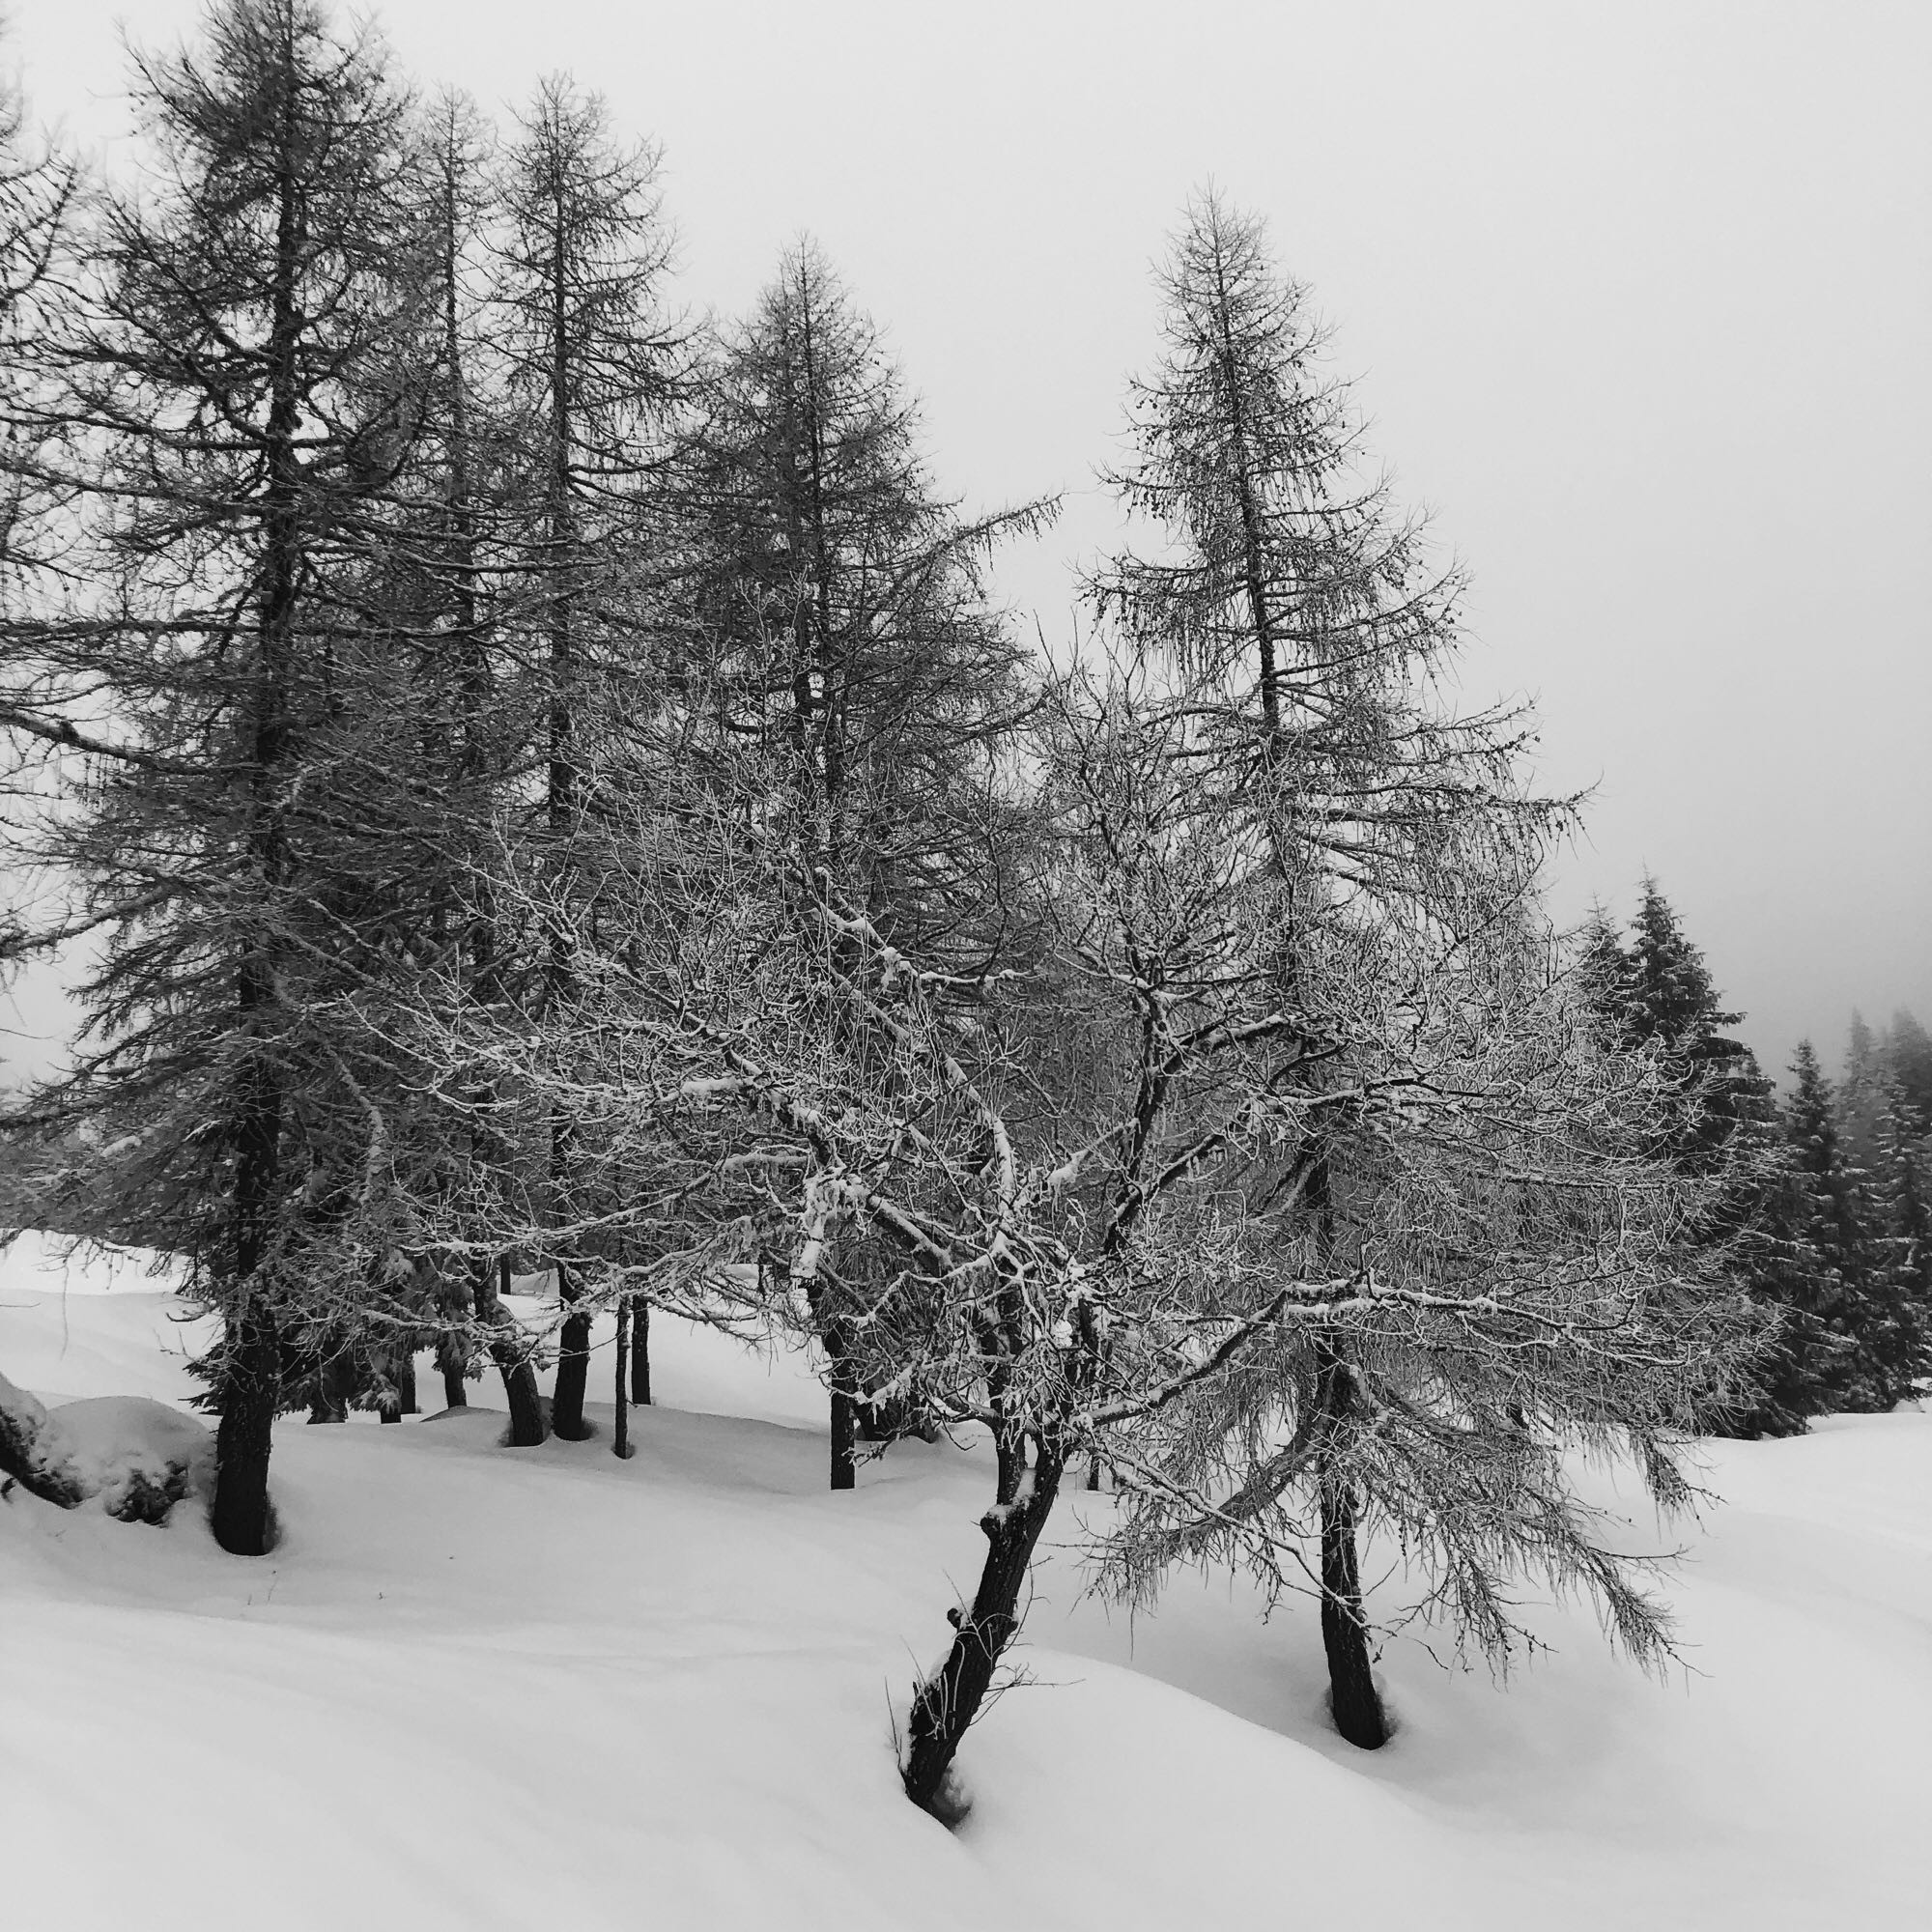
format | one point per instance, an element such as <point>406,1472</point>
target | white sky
<point>1638,295</point>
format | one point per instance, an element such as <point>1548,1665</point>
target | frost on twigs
<point>137,1458</point>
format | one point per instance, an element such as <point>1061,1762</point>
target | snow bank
<point>135,1457</point>
<point>484,1686</point>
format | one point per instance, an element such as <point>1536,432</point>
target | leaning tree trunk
<point>1352,1698</point>
<point>640,1350</point>
<point>950,1699</point>
<point>528,1427</point>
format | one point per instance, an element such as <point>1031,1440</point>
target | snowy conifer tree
<point>233,405</point>
<point>1393,848</point>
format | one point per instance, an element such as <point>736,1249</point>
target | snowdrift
<point>477,1687</point>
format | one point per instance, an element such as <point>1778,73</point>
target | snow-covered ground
<point>477,1687</point>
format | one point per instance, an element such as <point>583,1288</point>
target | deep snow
<point>478,1687</point>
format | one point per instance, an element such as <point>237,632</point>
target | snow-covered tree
<point>593,352</point>
<point>842,624</point>
<point>234,405</point>
<point>1394,850</point>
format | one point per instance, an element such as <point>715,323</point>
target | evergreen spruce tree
<point>1603,968</point>
<point>1836,1227</point>
<point>1896,1318</point>
<point>1668,1002</point>
<point>1908,1053</point>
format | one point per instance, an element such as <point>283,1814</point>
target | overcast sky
<point>1638,297</point>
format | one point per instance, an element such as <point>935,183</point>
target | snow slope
<point>476,1686</point>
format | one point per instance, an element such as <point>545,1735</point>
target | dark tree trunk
<point>640,1350</point>
<point>1352,1698</point>
<point>331,1390</point>
<point>844,1436</point>
<point>620,1432</point>
<point>391,1408</point>
<point>528,1427</point>
<point>250,1385</point>
<point>844,1425</point>
<point>573,1367</point>
<point>407,1401</point>
<point>949,1700</point>
<point>454,1394</point>
<point>240,1513</point>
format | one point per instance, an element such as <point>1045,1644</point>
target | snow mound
<point>135,1457</point>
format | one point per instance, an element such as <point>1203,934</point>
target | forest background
<point>1637,302</point>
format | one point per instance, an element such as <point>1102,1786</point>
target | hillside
<point>475,1687</point>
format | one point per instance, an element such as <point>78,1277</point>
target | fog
<point>1637,298</point>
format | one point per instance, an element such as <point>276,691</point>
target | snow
<point>106,1449</point>
<point>482,1686</point>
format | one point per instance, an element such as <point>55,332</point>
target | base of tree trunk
<point>845,1439</point>
<point>454,1394</point>
<point>1354,1701</point>
<point>407,1400</point>
<point>529,1427</point>
<point>572,1378</point>
<point>241,1516</point>
<point>947,1702</point>
<point>333,1388</point>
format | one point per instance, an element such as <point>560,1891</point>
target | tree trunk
<point>407,1401</point>
<point>948,1701</point>
<point>1352,1698</point>
<point>573,1368</point>
<point>332,1389</point>
<point>844,1425</point>
<point>240,1516</point>
<point>640,1350</point>
<point>250,1389</point>
<point>528,1427</point>
<point>621,1432</point>
<point>454,1394</point>
<point>391,1408</point>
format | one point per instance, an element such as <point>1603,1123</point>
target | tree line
<point>534,779</point>
<point>1825,1210</point>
